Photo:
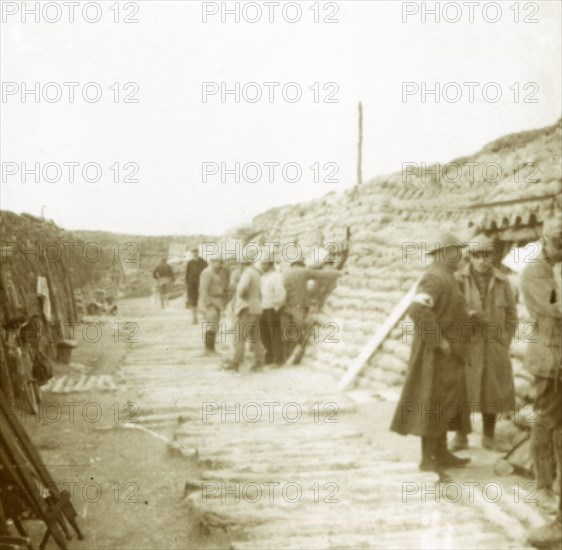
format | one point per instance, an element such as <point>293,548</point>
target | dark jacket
<point>163,270</point>
<point>433,393</point>
<point>193,271</point>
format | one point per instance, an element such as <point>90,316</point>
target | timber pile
<point>386,212</point>
<point>32,248</point>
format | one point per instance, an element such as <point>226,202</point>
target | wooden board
<point>378,338</point>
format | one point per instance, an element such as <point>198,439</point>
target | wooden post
<point>360,146</point>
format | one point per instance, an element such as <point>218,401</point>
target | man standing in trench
<point>543,360</point>
<point>211,301</point>
<point>297,304</point>
<point>193,271</point>
<point>433,397</point>
<point>247,312</point>
<point>164,275</point>
<point>491,305</point>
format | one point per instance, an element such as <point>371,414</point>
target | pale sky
<point>170,132</point>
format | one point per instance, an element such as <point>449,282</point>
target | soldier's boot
<point>488,438</point>
<point>459,442</point>
<point>547,536</point>
<point>428,461</point>
<point>430,458</point>
<point>557,444</point>
<point>210,344</point>
<point>230,365</point>
<point>542,462</point>
<point>212,339</point>
<point>448,459</point>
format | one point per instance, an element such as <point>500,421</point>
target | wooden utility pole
<point>360,146</point>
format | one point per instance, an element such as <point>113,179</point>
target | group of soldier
<point>465,319</point>
<point>259,301</point>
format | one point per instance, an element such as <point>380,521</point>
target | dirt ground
<point>126,487</point>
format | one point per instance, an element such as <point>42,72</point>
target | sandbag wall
<point>386,212</point>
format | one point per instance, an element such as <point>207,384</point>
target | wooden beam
<point>378,338</point>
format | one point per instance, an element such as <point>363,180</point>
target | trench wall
<point>381,215</point>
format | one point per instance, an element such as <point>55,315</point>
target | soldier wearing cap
<point>193,271</point>
<point>543,360</point>
<point>211,301</point>
<point>433,397</point>
<point>491,303</point>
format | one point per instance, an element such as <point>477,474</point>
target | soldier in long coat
<point>433,397</point>
<point>489,374</point>
<point>193,271</point>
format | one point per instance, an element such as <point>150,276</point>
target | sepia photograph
<point>280,275</point>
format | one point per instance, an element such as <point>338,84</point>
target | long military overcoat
<point>489,374</point>
<point>433,397</point>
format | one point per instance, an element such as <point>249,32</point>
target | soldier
<point>211,301</point>
<point>491,305</point>
<point>193,271</point>
<point>543,361</point>
<point>297,304</point>
<point>164,275</point>
<point>273,298</point>
<point>432,399</point>
<point>247,313</point>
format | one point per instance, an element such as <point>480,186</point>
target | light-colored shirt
<point>272,290</point>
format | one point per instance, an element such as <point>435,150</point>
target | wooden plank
<point>378,338</point>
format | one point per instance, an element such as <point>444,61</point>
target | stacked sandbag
<point>380,216</point>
